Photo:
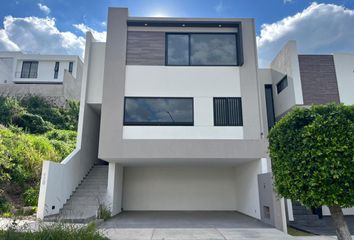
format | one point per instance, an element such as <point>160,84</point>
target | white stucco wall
<point>287,63</point>
<point>203,83</point>
<point>179,188</point>
<point>344,64</point>
<point>6,69</point>
<point>246,183</point>
<point>226,188</point>
<point>114,188</point>
<point>95,75</point>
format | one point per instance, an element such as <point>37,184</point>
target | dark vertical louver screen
<point>228,112</point>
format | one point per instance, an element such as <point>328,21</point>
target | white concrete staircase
<point>84,203</point>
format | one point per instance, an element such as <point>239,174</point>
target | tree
<point>312,152</point>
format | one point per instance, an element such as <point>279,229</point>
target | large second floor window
<point>201,49</point>
<point>29,69</point>
<point>158,111</point>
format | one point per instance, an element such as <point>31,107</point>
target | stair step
<point>81,208</point>
<point>79,201</point>
<point>70,214</point>
<point>86,197</point>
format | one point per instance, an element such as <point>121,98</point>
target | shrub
<point>60,117</point>
<point>5,206</point>
<point>31,196</point>
<point>104,212</point>
<point>9,110</point>
<point>61,135</point>
<point>56,231</point>
<point>32,123</point>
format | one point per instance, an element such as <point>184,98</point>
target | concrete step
<point>81,208</point>
<point>86,198</point>
<point>92,186</point>
<point>97,194</point>
<point>77,217</point>
<point>73,206</point>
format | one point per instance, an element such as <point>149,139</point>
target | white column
<point>114,188</point>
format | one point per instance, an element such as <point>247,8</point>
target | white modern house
<point>54,76</point>
<point>295,79</point>
<point>174,117</point>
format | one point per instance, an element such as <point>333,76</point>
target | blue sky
<point>65,21</point>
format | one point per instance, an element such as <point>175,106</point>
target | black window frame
<point>281,86</point>
<point>126,123</point>
<point>56,70</point>
<point>29,74</point>
<point>71,67</point>
<point>239,61</point>
<point>227,113</point>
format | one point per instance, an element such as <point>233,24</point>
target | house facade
<point>52,76</point>
<point>174,117</point>
<point>295,79</point>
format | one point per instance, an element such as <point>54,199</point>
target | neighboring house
<point>303,80</point>
<point>173,117</point>
<point>54,76</point>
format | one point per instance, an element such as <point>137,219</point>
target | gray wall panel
<point>318,79</point>
<point>146,48</point>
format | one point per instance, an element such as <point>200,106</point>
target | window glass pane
<point>213,49</point>
<point>56,70</point>
<point>158,111</point>
<point>282,84</point>
<point>25,69</point>
<point>33,70</point>
<point>177,49</point>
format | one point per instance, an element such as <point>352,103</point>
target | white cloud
<point>320,28</point>
<point>220,7</point>
<point>38,35</point>
<point>287,1</point>
<point>6,44</point>
<point>44,8</point>
<point>99,36</point>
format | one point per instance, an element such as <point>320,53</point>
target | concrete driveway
<point>188,226</point>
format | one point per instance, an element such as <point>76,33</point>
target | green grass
<point>54,232</point>
<point>32,129</point>
<point>296,232</point>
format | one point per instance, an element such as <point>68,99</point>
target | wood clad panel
<point>146,48</point>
